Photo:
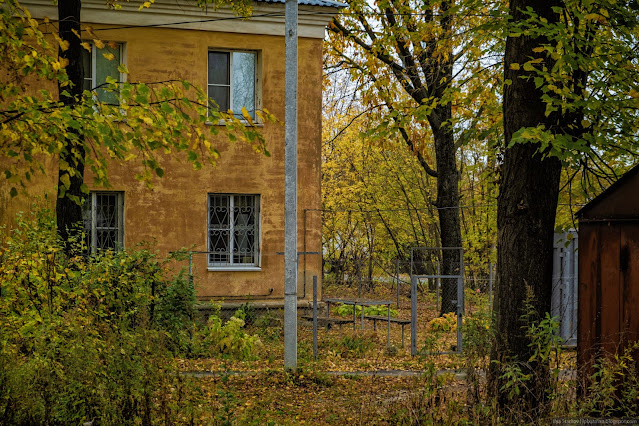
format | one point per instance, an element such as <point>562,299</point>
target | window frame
<point>94,51</point>
<point>257,95</point>
<point>257,252</point>
<point>92,232</point>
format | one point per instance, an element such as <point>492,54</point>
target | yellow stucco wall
<point>174,212</point>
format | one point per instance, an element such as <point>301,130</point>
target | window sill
<point>234,268</point>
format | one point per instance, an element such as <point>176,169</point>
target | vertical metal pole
<point>354,317</point>
<point>411,261</point>
<point>437,286</point>
<point>413,315</point>
<point>304,252</point>
<point>290,189</point>
<point>359,273</point>
<point>315,317</point>
<point>387,331</point>
<point>566,302</point>
<point>397,278</point>
<point>460,300</point>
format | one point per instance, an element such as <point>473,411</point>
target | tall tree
<point>569,102</point>
<point>70,195</point>
<point>376,196</point>
<point>408,56</point>
<point>527,200</point>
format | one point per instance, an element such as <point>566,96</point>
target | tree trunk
<point>68,206</point>
<point>526,212</point>
<point>448,208</point>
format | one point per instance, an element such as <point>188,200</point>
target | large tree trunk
<point>68,206</point>
<point>440,121</point>
<point>525,218</point>
<point>448,208</point>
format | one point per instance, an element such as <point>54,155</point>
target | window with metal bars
<point>104,221</point>
<point>233,230</point>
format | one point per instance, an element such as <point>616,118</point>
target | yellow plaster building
<point>231,215</point>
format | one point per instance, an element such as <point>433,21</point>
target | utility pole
<point>290,190</point>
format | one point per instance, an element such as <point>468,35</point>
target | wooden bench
<point>328,322</point>
<point>375,318</point>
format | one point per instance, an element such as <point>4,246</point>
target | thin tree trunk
<point>526,212</point>
<point>68,207</point>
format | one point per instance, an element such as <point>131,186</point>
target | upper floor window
<point>233,230</point>
<point>104,220</point>
<point>100,64</point>
<point>232,81</point>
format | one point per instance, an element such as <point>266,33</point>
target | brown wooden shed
<point>608,309</point>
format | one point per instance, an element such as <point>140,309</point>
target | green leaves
<point>71,325</point>
<point>142,121</point>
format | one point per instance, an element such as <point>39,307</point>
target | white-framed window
<point>104,220</point>
<point>232,80</point>
<point>100,64</point>
<point>233,230</point>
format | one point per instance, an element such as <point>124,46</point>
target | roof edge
<point>619,182</point>
<point>321,3</point>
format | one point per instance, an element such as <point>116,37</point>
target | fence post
<point>315,317</point>
<point>191,268</point>
<point>413,315</point>
<point>460,300</point>
<point>437,286</point>
<point>359,275</point>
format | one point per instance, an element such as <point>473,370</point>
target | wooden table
<point>361,302</point>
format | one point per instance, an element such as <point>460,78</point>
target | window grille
<point>104,220</point>
<point>233,238</point>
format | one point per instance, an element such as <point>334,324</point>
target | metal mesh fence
<point>263,299</point>
<point>390,283</point>
<point>436,323</point>
<point>373,279</point>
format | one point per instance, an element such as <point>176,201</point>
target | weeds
<point>94,338</point>
<point>614,385</point>
<point>228,338</point>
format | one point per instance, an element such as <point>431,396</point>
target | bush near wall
<point>91,338</point>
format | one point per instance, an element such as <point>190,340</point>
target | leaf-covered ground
<point>356,379</point>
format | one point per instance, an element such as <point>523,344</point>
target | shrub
<point>87,338</point>
<point>227,338</point>
<point>347,310</point>
<point>445,323</point>
<point>614,388</point>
